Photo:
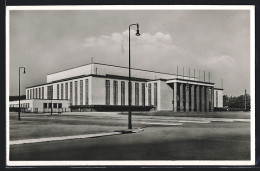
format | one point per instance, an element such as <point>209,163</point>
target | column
<point>207,99</point>
<point>212,99</point>
<point>181,97</point>
<point>175,97</point>
<point>202,98</point>
<point>192,98</point>
<point>187,98</point>
<point>198,98</point>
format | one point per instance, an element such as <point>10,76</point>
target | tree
<point>237,102</point>
<point>225,100</point>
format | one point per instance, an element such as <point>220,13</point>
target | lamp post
<point>129,83</point>
<point>19,111</point>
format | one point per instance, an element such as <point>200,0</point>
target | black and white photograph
<point>130,85</point>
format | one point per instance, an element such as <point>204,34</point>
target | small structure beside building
<point>40,105</point>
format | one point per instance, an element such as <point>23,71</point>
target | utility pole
<point>177,71</point>
<point>245,99</point>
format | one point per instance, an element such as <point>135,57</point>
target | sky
<point>217,41</point>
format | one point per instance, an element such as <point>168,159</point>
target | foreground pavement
<point>162,138</point>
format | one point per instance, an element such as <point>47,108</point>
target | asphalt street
<point>215,140</point>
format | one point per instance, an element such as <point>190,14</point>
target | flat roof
<point>93,75</point>
<point>113,66</point>
<point>218,88</point>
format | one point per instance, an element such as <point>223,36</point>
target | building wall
<point>82,70</point>
<point>55,95</point>
<point>22,102</point>
<point>218,98</point>
<point>103,69</point>
<point>37,103</point>
<point>166,96</point>
<point>99,91</point>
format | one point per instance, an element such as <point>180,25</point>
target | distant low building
<point>104,87</point>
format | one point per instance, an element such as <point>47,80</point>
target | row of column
<point>191,97</point>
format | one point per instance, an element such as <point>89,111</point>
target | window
<point>130,93</point>
<point>44,105</point>
<point>39,93</point>
<point>66,91</point>
<point>107,92</point>
<point>149,94</point>
<point>36,93</point>
<point>61,89</point>
<point>50,105</point>
<point>155,94</point>
<point>143,94</point>
<point>81,92</point>
<point>115,93</point>
<point>137,94</point>
<point>58,91</point>
<point>71,93</point>
<point>27,96</point>
<point>76,92</point>
<point>50,92</point>
<point>216,98</point>
<point>31,94</point>
<point>59,105</point>
<point>42,92</point>
<point>86,91</point>
<point>122,93</point>
<point>54,105</point>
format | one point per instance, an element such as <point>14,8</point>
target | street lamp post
<point>129,83</point>
<point>19,111</point>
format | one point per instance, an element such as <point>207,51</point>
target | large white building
<point>99,86</point>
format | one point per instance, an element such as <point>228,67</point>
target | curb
<point>39,140</point>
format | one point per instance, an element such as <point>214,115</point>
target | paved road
<point>189,141</point>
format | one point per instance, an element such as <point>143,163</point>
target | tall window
<point>42,92</point>
<point>217,98</point>
<point>58,91</point>
<point>50,92</point>
<point>31,94</point>
<point>107,92</point>
<point>149,94</point>
<point>61,89</point>
<point>36,94</point>
<point>81,92</point>
<point>76,92</point>
<point>143,94</point>
<point>71,93</point>
<point>137,94</point>
<point>27,96</point>
<point>131,89</point>
<point>86,91</point>
<point>155,94</point>
<point>122,93</point>
<point>66,91</point>
<point>115,93</point>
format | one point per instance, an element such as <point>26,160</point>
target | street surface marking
<point>159,123</point>
<point>29,141</point>
<point>194,121</point>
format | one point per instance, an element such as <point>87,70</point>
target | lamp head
<point>137,31</point>
<point>24,70</point>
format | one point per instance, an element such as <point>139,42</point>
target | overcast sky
<point>217,41</point>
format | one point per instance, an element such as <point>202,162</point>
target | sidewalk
<point>38,140</point>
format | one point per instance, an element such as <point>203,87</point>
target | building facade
<point>99,86</point>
